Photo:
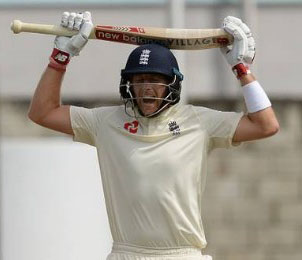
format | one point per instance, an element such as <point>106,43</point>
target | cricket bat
<point>178,39</point>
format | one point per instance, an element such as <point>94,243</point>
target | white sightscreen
<point>52,205</point>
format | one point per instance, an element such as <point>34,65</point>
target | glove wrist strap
<point>240,70</point>
<point>58,60</point>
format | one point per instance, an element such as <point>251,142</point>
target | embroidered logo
<point>61,57</point>
<point>144,58</point>
<point>131,127</point>
<point>174,128</point>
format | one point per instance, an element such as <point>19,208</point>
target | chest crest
<point>174,128</point>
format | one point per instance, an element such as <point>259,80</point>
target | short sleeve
<point>83,122</point>
<point>220,126</point>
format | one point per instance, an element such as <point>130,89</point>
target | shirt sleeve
<point>220,126</point>
<point>83,122</point>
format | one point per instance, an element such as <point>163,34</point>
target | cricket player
<point>153,150</point>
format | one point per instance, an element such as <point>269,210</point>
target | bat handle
<point>17,26</point>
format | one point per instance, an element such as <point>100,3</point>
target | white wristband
<point>255,97</point>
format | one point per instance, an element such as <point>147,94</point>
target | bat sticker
<point>167,42</point>
<point>121,28</point>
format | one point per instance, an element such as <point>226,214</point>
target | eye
<point>157,80</point>
<point>139,81</point>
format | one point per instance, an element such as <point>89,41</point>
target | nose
<point>147,86</point>
<point>147,90</point>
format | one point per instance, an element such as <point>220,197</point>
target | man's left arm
<point>260,122</point>
<point>255,125</point>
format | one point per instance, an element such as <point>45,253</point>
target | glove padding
<point>74,21</point>
<point>67,47</point>
<point>243,49</point>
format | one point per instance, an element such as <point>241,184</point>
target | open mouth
<point>149,100</point>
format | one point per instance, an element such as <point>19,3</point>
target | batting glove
<point>240,55</point>
<point>67,47</point>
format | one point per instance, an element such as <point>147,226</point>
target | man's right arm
<point>46,109</point>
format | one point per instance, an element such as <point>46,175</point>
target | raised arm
<point>260,122</point>
<point>46,109</point>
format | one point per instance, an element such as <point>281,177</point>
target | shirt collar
<point>162,116</point>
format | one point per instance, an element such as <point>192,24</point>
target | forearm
<point>47,94</point>
<point>265,118</point>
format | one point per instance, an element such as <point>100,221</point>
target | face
<point>146,88</point>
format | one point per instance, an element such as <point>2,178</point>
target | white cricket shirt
<point>153,170</point>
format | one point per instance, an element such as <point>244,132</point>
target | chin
<point>148,109</point>
<point>148,112</point>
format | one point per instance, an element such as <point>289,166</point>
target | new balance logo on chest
<point>174,128</point>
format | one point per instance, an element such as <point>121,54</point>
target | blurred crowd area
<point>252,202</point>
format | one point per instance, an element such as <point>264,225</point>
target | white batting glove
<point>67,47</point>
<point>241,53</point>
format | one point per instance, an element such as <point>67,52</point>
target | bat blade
<point>179,39</point>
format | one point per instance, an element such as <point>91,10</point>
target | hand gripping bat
<point>178,39</point>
